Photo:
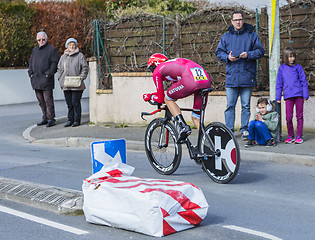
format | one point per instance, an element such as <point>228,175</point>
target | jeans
<point>232,95</point>
<point>289,104</point>
<point>258,131</point>
<point>46,102</point>
<point>73,100</point>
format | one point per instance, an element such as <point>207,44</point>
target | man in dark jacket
<point>42,68</point>
<point>239,48</point>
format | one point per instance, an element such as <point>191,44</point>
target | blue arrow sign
<point>107,153</point>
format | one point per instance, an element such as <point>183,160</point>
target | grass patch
<point>122,125</point>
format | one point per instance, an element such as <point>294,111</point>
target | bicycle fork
<point>162,133</point>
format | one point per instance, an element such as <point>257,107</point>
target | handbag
<point>71,81</point>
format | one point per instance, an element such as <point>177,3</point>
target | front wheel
<point>224,167</point>
<point>161,148</point>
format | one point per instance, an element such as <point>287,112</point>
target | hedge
<point>19,23</point>
<point>15,35</point>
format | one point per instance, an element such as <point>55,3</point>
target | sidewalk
<point>82,136</point>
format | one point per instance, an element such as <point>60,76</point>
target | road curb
<point>27,133</point>
<point>246,155</point>
<point>249,155</point>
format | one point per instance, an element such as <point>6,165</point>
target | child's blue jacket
<point>292,81</point>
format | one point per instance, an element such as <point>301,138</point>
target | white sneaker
<point>245,135</point>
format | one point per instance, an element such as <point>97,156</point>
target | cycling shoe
<point>183,134</point>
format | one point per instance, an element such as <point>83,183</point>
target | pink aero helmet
<point>156,59</point>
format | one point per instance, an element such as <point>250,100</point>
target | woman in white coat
<point>72,63</point>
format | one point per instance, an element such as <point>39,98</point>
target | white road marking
<point>253,232</point>
<point>42,221</point>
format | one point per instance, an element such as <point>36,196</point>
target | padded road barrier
<point>151,206</point>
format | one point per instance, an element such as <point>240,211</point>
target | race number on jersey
<point>199,74</point>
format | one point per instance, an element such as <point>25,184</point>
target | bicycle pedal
<point>181,141</point>
<point>198,161</point>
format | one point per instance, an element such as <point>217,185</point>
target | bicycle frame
<point>194,151</point>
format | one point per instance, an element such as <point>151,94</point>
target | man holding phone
<point>239,48</point>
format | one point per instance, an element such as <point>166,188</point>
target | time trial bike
<point>217,149</point>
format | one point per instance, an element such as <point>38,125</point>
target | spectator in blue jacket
<point>238,49</point>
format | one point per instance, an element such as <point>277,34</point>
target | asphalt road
<point>265,201</point>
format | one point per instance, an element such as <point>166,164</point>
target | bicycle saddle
<point>206,90</point>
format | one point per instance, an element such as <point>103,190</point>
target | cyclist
<point>188,77</point>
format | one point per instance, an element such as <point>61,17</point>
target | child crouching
<point>265,127</point>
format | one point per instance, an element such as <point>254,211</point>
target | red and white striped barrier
<point>151,206</point>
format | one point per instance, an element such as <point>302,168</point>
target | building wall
<point>15,87</point>
<point>124,103</point>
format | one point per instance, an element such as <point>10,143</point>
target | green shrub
<point>16,40</point>
<point>118,8</point>
<point>171,7</point>
<point>96,9</point>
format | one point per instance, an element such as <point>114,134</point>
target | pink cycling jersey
<point>187,77</point>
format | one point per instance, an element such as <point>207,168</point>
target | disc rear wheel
<point>224,167</point>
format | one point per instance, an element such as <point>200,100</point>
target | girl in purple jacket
<point>292,81</point>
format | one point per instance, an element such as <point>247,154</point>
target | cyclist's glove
<point>148,96</point>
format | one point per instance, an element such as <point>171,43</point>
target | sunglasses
<point>237,20</point>
<point>38,40</point>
